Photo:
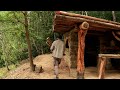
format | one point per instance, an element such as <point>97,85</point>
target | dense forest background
<point>18,29</point>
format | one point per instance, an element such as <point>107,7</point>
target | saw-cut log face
<point>84,25</point>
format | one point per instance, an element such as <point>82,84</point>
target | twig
<point>18,19</point>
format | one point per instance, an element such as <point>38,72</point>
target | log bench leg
<point>102,67</point>
<point>98,65</point>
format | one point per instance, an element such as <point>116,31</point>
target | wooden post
<point>102,67</point>
<point>81,46</point>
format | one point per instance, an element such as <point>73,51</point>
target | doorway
<point>91,51</point>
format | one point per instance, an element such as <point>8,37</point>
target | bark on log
<point>86,17</point>
<point>96,23</point>
<point>81,46</point>
<point>102,67</point>
<point>114,19</point>
<point>116,37</point>
<point>110,55</point>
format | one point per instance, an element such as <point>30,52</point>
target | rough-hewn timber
<point>81,46</point>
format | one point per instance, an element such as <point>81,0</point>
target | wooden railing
<point>102,63</point>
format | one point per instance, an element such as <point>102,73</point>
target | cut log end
<point>84,26</point>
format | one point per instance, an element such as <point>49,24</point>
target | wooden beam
<point>81,46</point>
<point>86,17</point>
<point>96,34</point>
<point>68,22</point>
<point>99,29</point>
<point>64,30</point>
<point>116,37</point>
<point>92,22</point>
<point>109,55</point>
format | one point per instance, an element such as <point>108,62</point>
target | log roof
<point>65,21</point>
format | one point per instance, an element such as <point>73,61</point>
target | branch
<point>113,14</point>
<point>18,19</point>
<point>116,37</point>
<point>23,13</point>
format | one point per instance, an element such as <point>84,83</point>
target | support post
<point>81,46</point>
<point>102,67</point>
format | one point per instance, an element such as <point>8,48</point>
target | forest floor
<point>46,61</point>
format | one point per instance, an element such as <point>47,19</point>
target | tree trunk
<point>113,14</point>
<point>81,46</point>
<point>32,66</point>
<point>114,19</point>
<point>85,13</point>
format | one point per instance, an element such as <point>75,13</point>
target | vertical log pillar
<point>81,46</point>
<point>102,67</point>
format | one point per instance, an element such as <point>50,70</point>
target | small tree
<point>25,23</point>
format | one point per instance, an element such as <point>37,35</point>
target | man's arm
<point>52,47</point>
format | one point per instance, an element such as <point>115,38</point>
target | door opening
<point>91,51</point>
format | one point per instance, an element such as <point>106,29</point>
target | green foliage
<point>117,13</point>
<point>3,71</point>
<point>99,14</point>
<point>11,40</point>
<point>40,29</point>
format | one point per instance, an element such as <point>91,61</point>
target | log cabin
<point>90,41</point>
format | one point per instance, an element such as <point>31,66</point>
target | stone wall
<point>67,51</point>
<point>71,53</point>
<point>73,49</point>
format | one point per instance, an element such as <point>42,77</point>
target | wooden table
<point>102,63</point>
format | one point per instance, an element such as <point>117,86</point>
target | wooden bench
<point>102,63</point>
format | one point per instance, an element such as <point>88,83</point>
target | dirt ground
<point>46,61</point>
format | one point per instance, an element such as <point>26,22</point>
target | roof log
<point>69,22</point>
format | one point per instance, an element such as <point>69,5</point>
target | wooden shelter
<point>87,37</point>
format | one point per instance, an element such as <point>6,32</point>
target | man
<point>58,49</point>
